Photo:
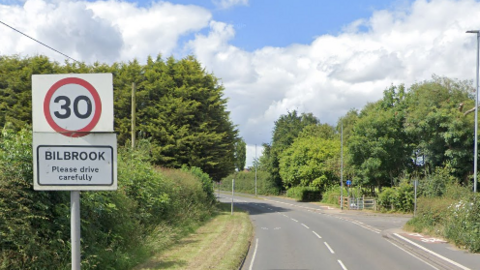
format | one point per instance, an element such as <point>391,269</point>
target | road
<point>293,235</point>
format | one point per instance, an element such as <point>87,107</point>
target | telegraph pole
<point>134,103</point>
<point>255,170</point>
<point>341,169</point>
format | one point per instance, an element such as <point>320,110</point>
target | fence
<point>359,203</point>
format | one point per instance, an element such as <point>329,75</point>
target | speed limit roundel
<point>72,107</point>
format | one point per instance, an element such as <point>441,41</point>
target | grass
<point>222,243</point>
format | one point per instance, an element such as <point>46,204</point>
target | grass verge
<point>222,243</point>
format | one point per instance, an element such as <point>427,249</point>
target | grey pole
<point>255,170</point>
<point>75,228</point>
<point>475,147</point>
<point>341,170</point>
<point>233,192</point>
<point>415,205</point>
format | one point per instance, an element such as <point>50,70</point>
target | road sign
<point>82,163</point>
<point>74,144</point>
<point>72,104</point>
<point>349,182</point>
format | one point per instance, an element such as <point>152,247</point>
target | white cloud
<point>152,30</point>
<point>224,4</point>
<point>105,31</point>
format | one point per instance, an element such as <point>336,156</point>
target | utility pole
<point>475,151</point>
<point>255,163</point>
<point>341,168</point>
<point>134,103</point>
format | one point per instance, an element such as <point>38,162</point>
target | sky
<point>272,56</point>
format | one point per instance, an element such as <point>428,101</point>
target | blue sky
<point>272,56</point>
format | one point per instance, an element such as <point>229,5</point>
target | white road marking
<point>294,220</point>
<point>285,215</point>
<point>317,234</point>
<point>254,255</point>
<point>342,265</point>
<point>329,248</point>
<point>433,253</point>
<point>305,226</point>
<point>411,254</point>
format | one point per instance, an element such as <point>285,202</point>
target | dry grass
<point>221,243</point>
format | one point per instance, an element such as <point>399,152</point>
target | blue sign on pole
<point>349,182</point>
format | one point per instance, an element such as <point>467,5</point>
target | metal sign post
<point>233,192</point>
<point>415,204</point>
<point>75,228</point>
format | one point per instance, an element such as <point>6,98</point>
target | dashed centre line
<point>317,234</point>
<point>294,219</point>
<point>305,226</point>
<point>329,248</point>
<point>342,265</point>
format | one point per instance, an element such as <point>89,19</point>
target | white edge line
<point>342,265</point>
<point>329,248</point>
<point>431,252</point>
<point>254,255</point>
<point>411,254</point>
<point>317,234</point>
<point>305,226</point>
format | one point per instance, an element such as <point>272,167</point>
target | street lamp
<point>476,115</point>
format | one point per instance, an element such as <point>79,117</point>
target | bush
<point>332,195</point>
<point>462,225</point>
<point>304,194</point>
<point>454,216</point>
<point>399,198</point>
<point>245,183</point>
<point>115,225</point>
<point>435,185</point>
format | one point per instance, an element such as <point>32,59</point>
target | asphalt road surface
<point>292,235</point>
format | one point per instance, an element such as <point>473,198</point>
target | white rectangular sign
<point>69,163</point>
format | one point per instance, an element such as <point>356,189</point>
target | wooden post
<point>134,103</point>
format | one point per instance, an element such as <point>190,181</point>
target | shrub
<point>332,195</point>
<point>304,194</point>
<point>455,216</point>
<point>435,185</point>
<point>115,225</point>
<point>245,182</point>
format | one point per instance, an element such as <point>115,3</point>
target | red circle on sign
<point>96,98</point>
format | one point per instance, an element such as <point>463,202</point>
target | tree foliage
<point>180,107</point>
<point>378,147</point>
<point>439,131</point>
<point>310,162</point>
<point>240,154</point>
<point>286,130</point>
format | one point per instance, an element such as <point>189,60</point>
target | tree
<point>378,147</point>
<point>440,132</point>
<point>240,154</point>
<point>286,130</point>
<point>310,161</point>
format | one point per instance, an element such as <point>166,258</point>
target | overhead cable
<point>38,41</point>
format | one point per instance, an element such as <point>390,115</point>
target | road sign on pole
<point>74,147</point>
<point>74,144</point>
